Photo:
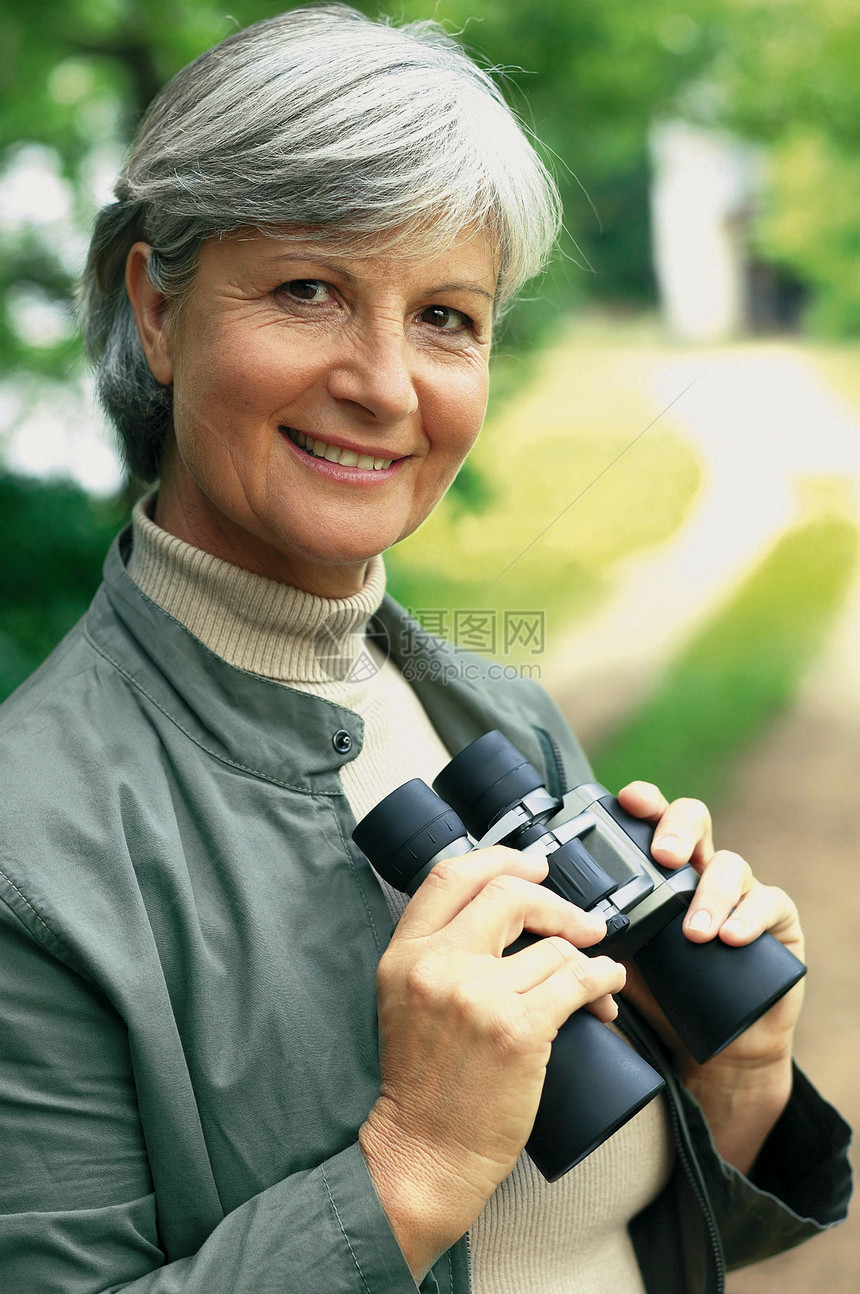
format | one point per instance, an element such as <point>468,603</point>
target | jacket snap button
<point>342,741</point>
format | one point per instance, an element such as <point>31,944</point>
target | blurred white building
<point>704,191</point>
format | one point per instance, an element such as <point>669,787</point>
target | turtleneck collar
<point>254,623</point>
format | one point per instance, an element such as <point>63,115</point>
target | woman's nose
<point>375,373</point>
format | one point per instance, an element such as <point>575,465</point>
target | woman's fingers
<point>765,907</point>
<point>729,902</point>
<point>507,905</point>
<point>588,982</point>
<point>484,900</point>
<point>643,800</point>
<point>683,832</point>
<point>472,908</point>
<point>725,881</point>
<point>455,882</point>
<point>559,979</point>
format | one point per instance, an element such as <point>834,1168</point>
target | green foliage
<point>788,75</point>
<point>785,63</point>
<point>588,78</point>
<point>54,538</point>
<point>815,233</point>
<point>74,82</point>
<point>741,671</point>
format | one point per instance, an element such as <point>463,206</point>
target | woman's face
<point>322,403</point>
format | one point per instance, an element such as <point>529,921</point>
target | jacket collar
<point>274,731</point>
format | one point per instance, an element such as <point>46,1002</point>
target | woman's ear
<point>150,312</point>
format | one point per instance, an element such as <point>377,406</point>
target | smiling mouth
<point>333,454</point>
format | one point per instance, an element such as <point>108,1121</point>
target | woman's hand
<point>743,1089</point>
<point>465,1036</point>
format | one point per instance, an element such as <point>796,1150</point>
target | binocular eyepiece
<point>599,858</point>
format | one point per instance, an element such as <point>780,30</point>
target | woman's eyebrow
<point>320,262</point>
<point>461,287</point>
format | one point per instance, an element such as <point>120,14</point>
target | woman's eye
<point>307,289</point>
<point>444,318</point>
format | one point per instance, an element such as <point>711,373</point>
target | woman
<point>222,1072</point>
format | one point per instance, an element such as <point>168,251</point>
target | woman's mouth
<point>333,454</point>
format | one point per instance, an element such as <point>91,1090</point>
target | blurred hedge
<point>54,539</point>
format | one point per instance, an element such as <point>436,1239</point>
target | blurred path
<point>778,443</point>
<point>795,814</point>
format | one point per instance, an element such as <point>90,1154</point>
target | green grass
<point>741,671</point>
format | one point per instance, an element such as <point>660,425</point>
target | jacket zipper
<point>704,1204</point>
<point>642,1044</point>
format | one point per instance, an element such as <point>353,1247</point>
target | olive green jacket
<point>188,945</point>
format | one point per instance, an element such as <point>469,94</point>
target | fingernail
<point>671,844</point>
<point>700,921</point>
<point>735,926</point>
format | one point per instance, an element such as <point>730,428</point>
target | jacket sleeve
<point>711,1216</point>
<point>799,1186</point>
<point>79,1211</point>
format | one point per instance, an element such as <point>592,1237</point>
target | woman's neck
<point>255,623</point>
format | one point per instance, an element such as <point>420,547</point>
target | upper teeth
<point>346,457</point>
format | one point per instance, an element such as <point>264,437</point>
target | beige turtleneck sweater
<point>532,1238</point>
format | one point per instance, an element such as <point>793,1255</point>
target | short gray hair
<point>372,135</point>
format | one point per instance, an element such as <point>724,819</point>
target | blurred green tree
<point>786,72</point>
<point>54,537</point>
<point>811,225</point>
<point>588,77</point>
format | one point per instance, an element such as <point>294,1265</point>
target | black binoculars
<point>599,858</point>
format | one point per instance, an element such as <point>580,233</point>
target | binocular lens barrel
<point>711,992</point>
<point>406,831</point>
<point>485,779</point>
<point>594,1084</point>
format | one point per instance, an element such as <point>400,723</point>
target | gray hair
<point>373,136</point>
